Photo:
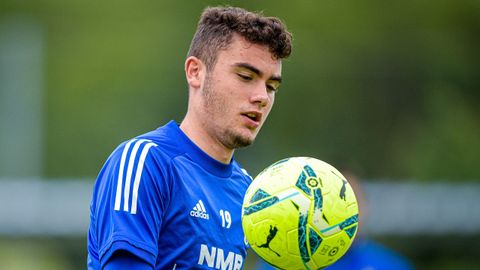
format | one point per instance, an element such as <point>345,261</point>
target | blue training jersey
<point>163,199</point>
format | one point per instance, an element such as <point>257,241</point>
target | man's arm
<point>127,205</point>
<point>124,260</point>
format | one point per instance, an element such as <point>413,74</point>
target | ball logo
<point>333,251</point>
<point>312,183</point>
<point>271,234</point>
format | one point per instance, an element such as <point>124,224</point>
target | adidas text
<point>199,214</point>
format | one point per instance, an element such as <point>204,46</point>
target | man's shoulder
<point>243,173</point>
<point>159,142</point>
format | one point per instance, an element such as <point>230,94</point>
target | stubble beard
<point>215,107</point>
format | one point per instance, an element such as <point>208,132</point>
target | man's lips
<point>253,117</point>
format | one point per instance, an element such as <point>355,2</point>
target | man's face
<point>239,92</point>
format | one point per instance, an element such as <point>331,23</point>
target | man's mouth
<point>254,116</point>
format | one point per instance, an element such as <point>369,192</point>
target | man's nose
<point>260,95</point>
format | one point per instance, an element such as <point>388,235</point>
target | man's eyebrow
<point>276,78</point>
<point>257,71</point>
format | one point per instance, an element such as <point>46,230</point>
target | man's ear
<point>195,72</point>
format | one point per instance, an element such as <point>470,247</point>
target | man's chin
<point>239,139</point>
<point>240,142</point>
<point>243,140</point>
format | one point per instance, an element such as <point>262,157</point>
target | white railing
<point>61,207</point>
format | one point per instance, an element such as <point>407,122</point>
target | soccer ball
<point>300,213</point>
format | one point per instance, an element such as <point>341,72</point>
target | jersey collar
<point>198,155</point>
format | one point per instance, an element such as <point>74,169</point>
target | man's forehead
<point>240,43</point>
<point>250,52</point>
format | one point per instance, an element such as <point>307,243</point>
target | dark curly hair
<point>218,24</point>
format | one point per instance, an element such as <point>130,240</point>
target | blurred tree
<point>389,88</point>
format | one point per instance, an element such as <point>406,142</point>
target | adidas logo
<point>199,211</point>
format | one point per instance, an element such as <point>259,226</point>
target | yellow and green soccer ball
<point>300,213</point>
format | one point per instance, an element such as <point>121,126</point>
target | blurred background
<point>387,89</point>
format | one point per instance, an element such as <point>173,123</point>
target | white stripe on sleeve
<point>128,179</point>
<point>118,196</point>
<point>138,176</point>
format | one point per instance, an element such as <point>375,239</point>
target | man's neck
<point>205,141</point>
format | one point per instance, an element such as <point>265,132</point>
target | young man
<point>171,198</point>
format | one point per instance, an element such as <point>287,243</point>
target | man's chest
<point>204,220</point>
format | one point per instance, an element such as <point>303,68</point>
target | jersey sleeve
<point>129,199</point>
<point>123,260</point>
